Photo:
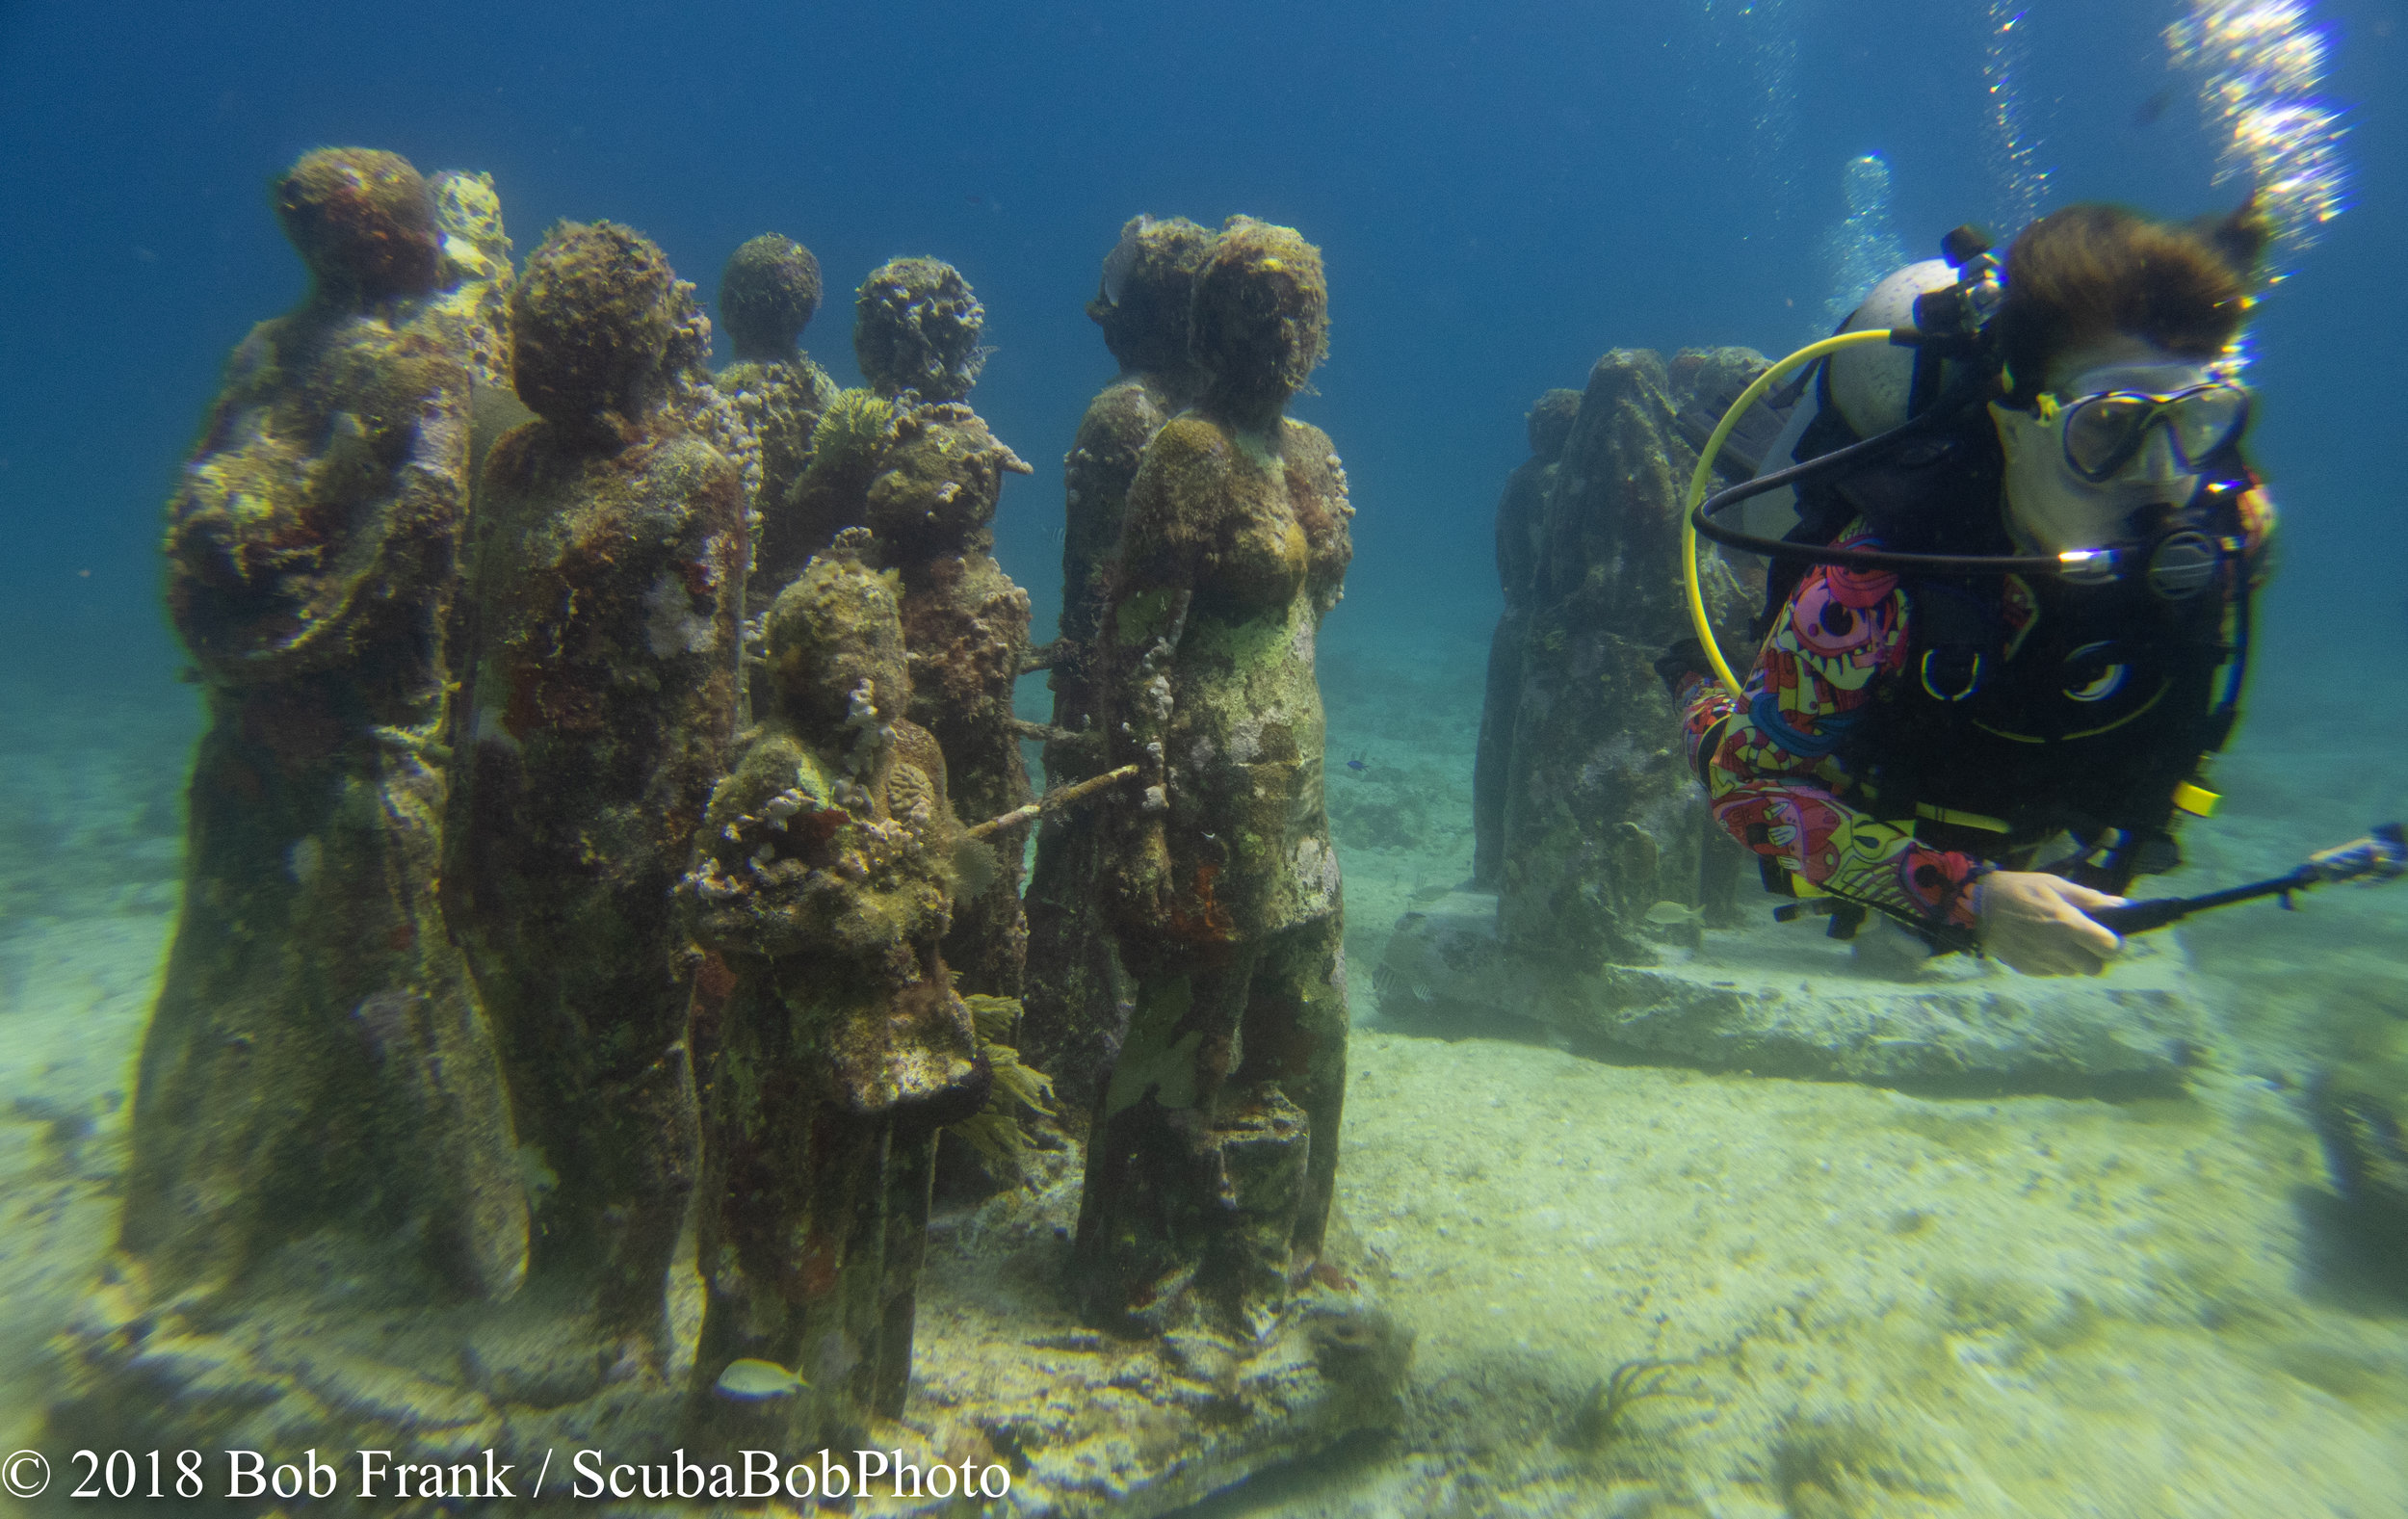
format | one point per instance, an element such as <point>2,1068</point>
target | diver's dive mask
<point>2133,436</point>
<point>2107,430</point>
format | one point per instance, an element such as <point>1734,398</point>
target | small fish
<point>2146,116</point>
<point>748,1381</point>
<point>1672,914</point>
<point>1358,764</point>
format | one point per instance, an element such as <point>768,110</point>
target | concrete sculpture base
<point>1004,1377</point>
<point>1783,1000</point>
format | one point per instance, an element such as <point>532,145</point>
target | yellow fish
<point>749,1382</point>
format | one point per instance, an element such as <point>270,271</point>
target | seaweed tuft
<point>1604,1417</point>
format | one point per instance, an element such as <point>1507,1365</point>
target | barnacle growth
<point>592,319</point>
<point>916,327</point>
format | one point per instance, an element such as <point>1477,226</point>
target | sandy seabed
<point>1860,1302</point>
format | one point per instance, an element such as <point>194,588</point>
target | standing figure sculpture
<point>966,626</point>
<point>931,500</point>
<point>1213,1148</point>
<point>1521,515</point>
<point>318,1067</point>
<point>768,295</point>
<point>598,657</point>
<point>821,888</point>
<point>1076,992</point>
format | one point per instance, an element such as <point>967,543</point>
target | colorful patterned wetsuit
<point>1774,778</point>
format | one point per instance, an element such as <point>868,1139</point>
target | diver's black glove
<point>1682,661</point>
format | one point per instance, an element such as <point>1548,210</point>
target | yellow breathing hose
<point>1704,473</point>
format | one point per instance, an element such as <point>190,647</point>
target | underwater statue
<point>1213,1147</point>
<point>916,326</point>
<point>319,1078</point>
<point>768,292</point>
<point>1600,816</point>
<point>907,459</point>
<point>966,625</point>
<point>1518,515</point>
<point>594,710</point>
<point>1075,998</point>
<point>915,335</point>
<point>837,1044</point>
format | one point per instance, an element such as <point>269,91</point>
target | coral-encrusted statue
<point>318,1074</point>
<point>599,657</point>
<point>768,295</point>
<point>1075,993</point>
<point>1213,1148</point>
<point>915,333</point>
<point>928,475</point>
<point>820,886</point>
<point>915,327</point>
<point>907,459</point>
<point>967,628</point>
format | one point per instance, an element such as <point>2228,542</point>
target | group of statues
<point>611,816</point>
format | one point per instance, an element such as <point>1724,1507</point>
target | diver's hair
<point>2092,270</point>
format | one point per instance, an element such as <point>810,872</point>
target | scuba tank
<point>2072,693</point>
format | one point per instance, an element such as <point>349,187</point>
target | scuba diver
<point>2010,622</point>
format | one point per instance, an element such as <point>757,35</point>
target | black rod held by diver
<point>2381,855</point>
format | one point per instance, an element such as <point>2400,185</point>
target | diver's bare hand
<point>2035,923</point>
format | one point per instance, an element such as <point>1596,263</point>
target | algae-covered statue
<point>906,457</point>
<point>768,292</point>
<point>915,327</point>
<point>966,627</point>
<point>910,459</point>
<point>1076,990</point>
<point>821,886</point>
<point>597,698</point>
<point>1596,817</point>
<point>317,1076</point>
<point>1213,1147</point>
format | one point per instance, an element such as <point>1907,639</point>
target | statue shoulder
<point>1191,438</point>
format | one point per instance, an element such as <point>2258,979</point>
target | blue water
<point>1501,191</point>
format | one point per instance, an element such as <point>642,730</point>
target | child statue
<point>821,886</point>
